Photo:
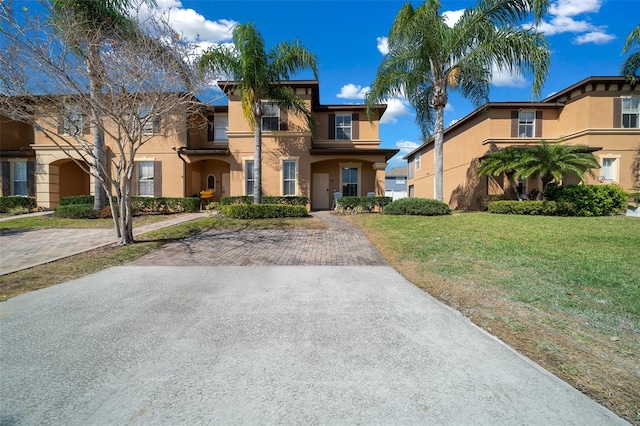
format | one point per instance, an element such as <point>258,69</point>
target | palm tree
<point>107,20</point>
<point>631,65</point>
<point>552,162</point>
<point>259,74</point>
<point>507,161</point>
<point>427,58</point>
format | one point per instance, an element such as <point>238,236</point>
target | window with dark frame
<point>270,116</point>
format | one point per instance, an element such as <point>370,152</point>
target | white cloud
<point>191,24</point>
<point>351,91</point>
<point>595,37</point>
<point>505,78</point>
<point>565,19</point>
<point>395,108</point>
<point>451,17</point>
<point>448,107</point>
<point>383,45</point>
<point>406,147</point>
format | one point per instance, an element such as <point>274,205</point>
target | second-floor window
<point>417,161</point>
<point>526,124</point>
<point>217,126</point>
<point>631,112</point>
<point>72,120</point>
<point>270,116</point>
<point>343,126</point>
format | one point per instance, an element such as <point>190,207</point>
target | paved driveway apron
<point>264,343</point>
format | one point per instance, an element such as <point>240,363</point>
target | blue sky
<point>585,37</point>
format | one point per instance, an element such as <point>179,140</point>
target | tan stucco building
<point>602,113</point>
<point>343,155</point>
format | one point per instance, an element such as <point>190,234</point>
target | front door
<point>224,190</point>
<point>320,199</point>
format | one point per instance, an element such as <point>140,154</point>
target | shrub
<point>417,206</point>
<point>484,200</point>
<point>360,204</point>
<point>77,211</point>
<point>77,199</point>
<point>591,200</point>
<point>165,205</point>
<point>248,199</point>
<point>18,210</point>
<point>12,202</point>
<point>262,211</point>
<point>532,208</point>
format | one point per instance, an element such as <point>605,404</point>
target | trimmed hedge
<point>15,201</point>
<point>532,208</point>
<point>248,199</point>
<point>364,203</point>
<point>163,205</point>
<point>417,206</point>
<point>262,211</point>
<point>591,200</point>
<point>77,199</point>
<point>77,211</point>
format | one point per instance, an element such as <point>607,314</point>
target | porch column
<point>380,175</point>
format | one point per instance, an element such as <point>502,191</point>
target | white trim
<point>615,166</point>
<point>357,166</point>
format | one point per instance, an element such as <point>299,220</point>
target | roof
<point>550,102</point>
<point>388,153</point>
<point>397,172</point>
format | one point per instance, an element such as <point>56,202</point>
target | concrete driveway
<point>264,344</point>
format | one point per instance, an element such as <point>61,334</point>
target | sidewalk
<point>26,249</point>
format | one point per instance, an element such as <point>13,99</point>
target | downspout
<point>184,170</point>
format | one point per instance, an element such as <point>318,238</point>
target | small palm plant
<point>505,161</point>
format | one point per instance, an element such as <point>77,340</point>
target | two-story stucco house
<point>344,154</point>
<point>602,113</point>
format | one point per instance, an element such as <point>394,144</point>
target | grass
<point>73,267</point>
<point>563,291</point>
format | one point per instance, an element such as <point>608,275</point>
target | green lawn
<point>585,266</point>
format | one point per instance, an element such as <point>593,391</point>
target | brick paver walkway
<point>341,244</point>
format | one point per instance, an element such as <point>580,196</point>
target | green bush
<point>165,205</point>
<point>248,199</point>
<point>77,211</point>
<point>347,204</point>
<point>77,199</point>
<point>12,202</point>
<point>417,206</point>
<point>591,200</point>
<point>262,211</point>
<point>532,208</point>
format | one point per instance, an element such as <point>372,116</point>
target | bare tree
<point>147,90</point>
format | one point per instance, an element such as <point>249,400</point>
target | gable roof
<point>397,172</point>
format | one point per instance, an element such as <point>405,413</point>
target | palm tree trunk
<point>257,161</point>
<point>438,141</point>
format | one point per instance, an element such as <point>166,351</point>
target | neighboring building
<point>342,156</point>
<point>602,113</point>
<point>396,183</point>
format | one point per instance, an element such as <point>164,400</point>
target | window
<point>270,117</point>
<point>526,124</point>
<point>20,178</point>
<point>72,120</point>
<point>145,178</point>
<point>289,177</point>
<point>343,126</point>
<point>217,126</point>
<point>609,171</point>
<point>631,112</point>
<point>349,181</point>
<point>522,188</point>
<point>417,161</point>
<point>400,181</point>
<point>211,182</point>
<point>249,180</point>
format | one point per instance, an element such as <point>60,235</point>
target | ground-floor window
<point>350,181</point>
<point>289,177</point>
<point>145,178</point>
<point>20,178</point>
<point>608,167</point>
<point>211,182</point>
<point>249,179</point>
